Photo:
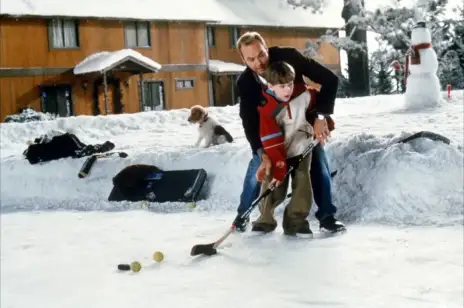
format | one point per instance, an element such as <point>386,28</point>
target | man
<point>257,56</point>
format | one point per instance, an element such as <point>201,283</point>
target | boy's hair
<point>248,38</point>
<point>279,73</point>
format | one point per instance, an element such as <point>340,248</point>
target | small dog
<point>208,129</point>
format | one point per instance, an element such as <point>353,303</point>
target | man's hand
<point>264,169</point>
<point>321,130</point>
<point>274,183</point>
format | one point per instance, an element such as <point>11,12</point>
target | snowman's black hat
<point>420,24</point>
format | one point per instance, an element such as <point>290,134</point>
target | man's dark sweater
<point>250,90</point>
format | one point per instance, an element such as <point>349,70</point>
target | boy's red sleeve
<point>273,141</point>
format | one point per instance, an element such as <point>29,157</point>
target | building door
<point>57,100</point>
<point>153,95</point>
<point>225,90</point>
<point>110,98</point>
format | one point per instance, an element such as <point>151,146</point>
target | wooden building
<point>80,59</point>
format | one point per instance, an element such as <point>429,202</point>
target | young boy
<point>285,134</point>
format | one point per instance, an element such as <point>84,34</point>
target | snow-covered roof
<point>106,60</point>
<point>180,10</point>
<point>226,12</point>
<point>221,67</point>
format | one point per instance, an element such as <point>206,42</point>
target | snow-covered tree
<point>392,26</point>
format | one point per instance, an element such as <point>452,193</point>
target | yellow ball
<point>136,266</point>
<point>192,205</point>
<point>158,256</point>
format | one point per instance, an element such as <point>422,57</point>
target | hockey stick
<point>89,162</point>
<point>210,249</point>
<point>426,134</point>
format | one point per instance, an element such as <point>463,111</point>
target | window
<point>63,33</point>
<point>234,35</point>
<point>137,34</point>
<point>153,95</point>
<point>182,84</point>
<point>211,36</point>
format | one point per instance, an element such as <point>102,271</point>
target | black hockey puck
<point>124,267</point>
<point>123,154</point>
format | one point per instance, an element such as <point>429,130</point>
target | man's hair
<point>279,73</point>
<point>248,38</point>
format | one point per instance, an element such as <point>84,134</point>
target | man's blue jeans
<point>251,187</point>
<point>320,179</point>
<point>321,183</point>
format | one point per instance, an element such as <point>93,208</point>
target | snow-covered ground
<point>403,204</point>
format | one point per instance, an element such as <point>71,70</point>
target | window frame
<point>137,24</point>
<point>234,35</point>
<point>211,33</point>
<point>183,80</point>
<point>50,26</point>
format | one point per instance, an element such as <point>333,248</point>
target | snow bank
<point>416,183</point>
<point>29,115</point>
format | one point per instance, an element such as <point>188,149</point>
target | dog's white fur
<point>206,129</point>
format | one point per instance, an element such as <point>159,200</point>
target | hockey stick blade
<point>210,249</point>
<point>203,249</point>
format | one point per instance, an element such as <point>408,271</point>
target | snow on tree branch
<point>392,26</point>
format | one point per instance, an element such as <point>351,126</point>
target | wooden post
<point>141,92</point>
<point>231,78</point>
<point>105,93</point>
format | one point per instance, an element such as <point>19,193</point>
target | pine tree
<point>381,73</point>
<point>384,79</point>
<point>451,70</point>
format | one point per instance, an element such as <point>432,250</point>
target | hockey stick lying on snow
<point>89,162</point>
<point>210,249</point>
<point>426,134</point>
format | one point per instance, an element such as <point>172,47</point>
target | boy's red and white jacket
<point>284,129</point>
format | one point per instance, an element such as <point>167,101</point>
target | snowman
<point>422,85</point>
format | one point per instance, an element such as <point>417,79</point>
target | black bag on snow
<point>66,145</point>
<point>146,182</point>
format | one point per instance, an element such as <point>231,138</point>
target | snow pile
<point>375,180</point>
<point>29,115</point>
<point>104,61</point>
<point>414,183</point>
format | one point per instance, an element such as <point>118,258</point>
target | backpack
<point>65,145</point>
